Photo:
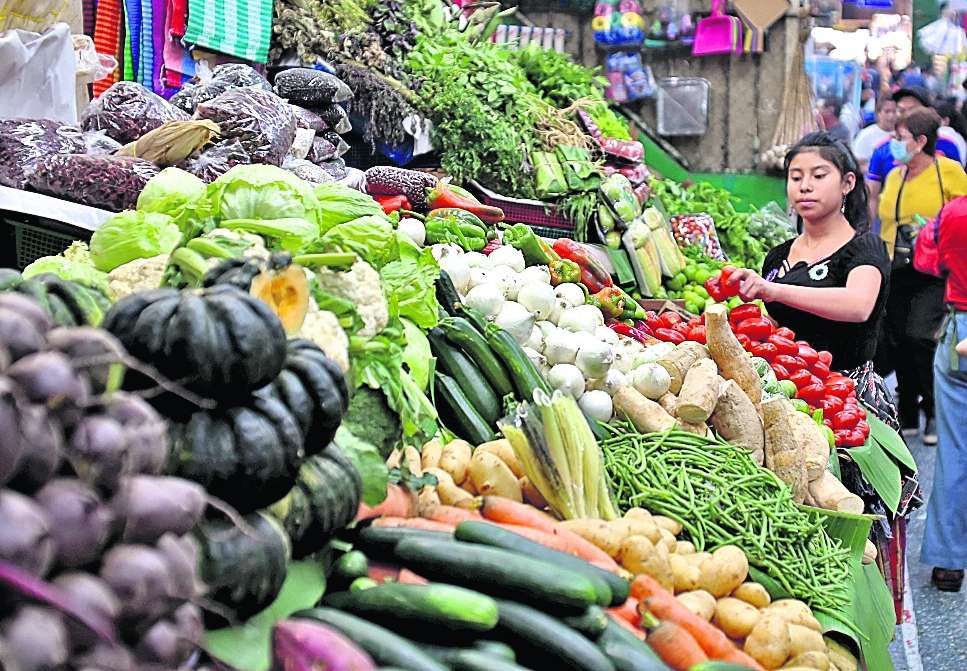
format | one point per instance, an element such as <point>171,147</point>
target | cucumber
<point>475,660</point>
<point>493,649</point>
<point>379,543</point>
<point>405,608</point>
<point>498,573</point>
<point>525,376</point>
<point>474,385</point>
<point>626,652</point>
<point>446,293</point>
<point>463,335</point>
<point>458,414</point>
<point>472,531</point>
<point>496,649</point>
<point>542,641</point>
<point>591,623</point>
<point>385,647</point>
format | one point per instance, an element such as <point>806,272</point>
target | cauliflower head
<point>359,285</point>
<point>322,328</point>
<point>137,275</point>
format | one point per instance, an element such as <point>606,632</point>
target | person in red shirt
<point>945,538</point>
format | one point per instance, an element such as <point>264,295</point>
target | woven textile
<point>240,28</point>
<point>107,38</point>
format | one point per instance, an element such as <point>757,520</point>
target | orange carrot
<point>407,576</point>
<point>676,646</point>
<point>624,624</point>
<point>400,501</point>
<point>413,523</point>
<point>450,514</point>
<point>508,511</point>
<point>628,611</point>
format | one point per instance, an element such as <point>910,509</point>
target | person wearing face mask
<point>921,185</point>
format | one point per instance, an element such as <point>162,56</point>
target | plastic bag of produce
<point>335,117</point>
<point>99,142</point>
<point>22,141</point>
<point>619,196</point>
<point>341,145</point>
<point>215,162</point>
<point>311,87</point>
<point>302,144</point>
<point>335,167</point>
<point>127,110</point>
<point>771,226</point>
<point>308,119</point>
<point>224,77</point>
<point>108,182</point>
<point>321,150</point>
<point>260,120</point>
<point>697,229</point>
<point>307,171</point>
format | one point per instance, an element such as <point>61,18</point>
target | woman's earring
<point>843,206</point>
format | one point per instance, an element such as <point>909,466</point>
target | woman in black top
<point>829,284</point>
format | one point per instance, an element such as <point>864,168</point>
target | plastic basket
<point>33,242</point>
<point>533,212</point>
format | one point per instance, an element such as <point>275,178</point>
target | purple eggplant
<point>82,523</point>
<point>304,645</point>
<point>25,535</point>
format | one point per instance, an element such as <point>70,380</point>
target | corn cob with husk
<point>172,142</point>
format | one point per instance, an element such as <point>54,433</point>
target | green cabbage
<point>174,192</point>
<point>371,238</point>
<point>132,235</point>
<point>262,192</point>
<point>74,264</point>
<point>341,204</point>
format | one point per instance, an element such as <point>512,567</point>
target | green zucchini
<point>458,414</point>
<point>474,316</point>
<point>405,608</point>
<point>608,585</point>
<point>446,293</point>
<point>591,622</point>
<point>388,537</point>
<point>346,569</point>
<point>525,376</point>
<point>542,641</point>
<point>458,365</point>
<point>463,335</point>
<point>10,279</point>
<point>385,647</point>
<point>493,649</point>
<point>498,573</point>
<point>496,649</point>
<point>626,652</point>
<point>476,660</point>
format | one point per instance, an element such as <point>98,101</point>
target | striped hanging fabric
<point>146,53</point>
<point>132,9</point>
<point>240,28</point>
<point>107,38</point>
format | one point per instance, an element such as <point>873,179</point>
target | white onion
<point>478,276</point>
<point>597,405</point>
<point>566,378</point>
<point>540,274</point>
<point>571,292</point>
<point>478,260</point>
<point>536,358</point>
<point>507,280</point>
<point>413,229</point>
<point>536,341</point>
<point>593,359</point>
<point>581,318</point>
<point>506,255</point>
<point>487,298</point>
<point>560,307</point>
<point>651,380</point>
<point>561,346</point>
<point>604,334</point>
<point>458,270</point>
<point>517,320</point>
<point>537,297</point>
<point>612,381</point>
<point>621,359</point>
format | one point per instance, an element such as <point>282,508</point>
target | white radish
<point>567,378</point>
<point>538,298</point>
<point>517,320</point>
<point>487,298</point>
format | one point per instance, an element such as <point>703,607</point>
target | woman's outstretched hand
<point>752,286</point>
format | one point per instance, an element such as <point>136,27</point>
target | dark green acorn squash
<point>220,342</point>
<point>248,455</point>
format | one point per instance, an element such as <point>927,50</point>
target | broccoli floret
<point>370,418</point>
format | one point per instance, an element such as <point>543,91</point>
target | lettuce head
<point>174,192</point>
<point>132,235</point>
<point>262,192</point>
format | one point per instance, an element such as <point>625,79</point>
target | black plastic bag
<point>308,119</point>
<point>335,117</point>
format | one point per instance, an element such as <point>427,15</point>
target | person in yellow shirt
<point>920,185</point>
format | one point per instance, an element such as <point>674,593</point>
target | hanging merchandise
<point>758,15</point>
<point>37,79</point>
<point>618,23</point>
<point>717,34</point>
<point>943,37</point>
<point>683,106</point>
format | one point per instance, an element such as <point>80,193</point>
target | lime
<point>692,307</point>
<point>690,296</point>
<point>702,275</point>
<point>689,272</point>
<point>734,302</point>
<point>704,266</point>
<point>676,283</point>
<point>799,404</point>
<point>788,388</point>
<point>701,292</point>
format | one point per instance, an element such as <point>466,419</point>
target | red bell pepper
<point>629,331</point>
<point>668,335</point>
<point>831,405</point>
<point>813,393</point>
<point>848,437</point>
<point>800,378</point>
<point>669,318</point>
<point>745,311</point>
<point>784,345</point>
<point>683,328</point>
<point>828,422</point>
<point>714,289</point>
<point>820,370</point>
<point>744,340</point>
<point>765,350</point>
<point>808,354</point>
<point>845,419</point>
<point>653,320</point>
<point>697,334</point>
<point>755,328</point>
<point>392,203</point>
<point>791,363</point>
<point>593,274</point>
<point>780,371</point>
<point>786,333</point>
<point>696,321</point>
<point>728,289</point>
<point>825,357</point>
<point>861,411</point>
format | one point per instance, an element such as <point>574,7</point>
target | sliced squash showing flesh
<point>286,292</point>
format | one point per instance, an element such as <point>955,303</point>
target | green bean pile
<point>720,496</point>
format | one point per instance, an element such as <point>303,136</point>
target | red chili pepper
<point>392,203</point>
<point>743,312</point>
<point>825,357</point>
<point>669,335</point>
<point>802,378</point>
<point>756,328</point>
<point>441,196</point>
<point>813,393</point>
<point>669,318</point>
<point>854,439</point>
<point>728,289</point>
<point>697,334</point>
<point>744,340</point>
<point>790,363</point>
<point>837,387</point>
<point>780,371</point>
<point>820,370</point>
<point>784,345</point>
<point>786,333</point>
<point>593,274</point>
<point>629,331</point>
<point>714,289</point>
<point>845,419</point>
<point>831,405</point>
<point>808,354</point>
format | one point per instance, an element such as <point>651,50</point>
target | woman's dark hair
<point>947,109</point>
<point>832,149</point>
<point>922,121</point>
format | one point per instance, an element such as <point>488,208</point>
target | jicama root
<point>735,419</point>
<point>669,402</point>
<point>815,447</point>
<point>646,415</point>
<point>679,360</point>
<point>733,361</point>
<point>869,552</point>
<point>699,392</point>
<point>700,429</point>
<point>783,456</point>
<point>830,494</point>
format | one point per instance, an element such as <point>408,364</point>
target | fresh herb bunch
<point>379,104</point>
<point>397,33</point>
<point>296,28</point>
<point>609,122</point>
<point>557,79</point>
<point>579,208</point>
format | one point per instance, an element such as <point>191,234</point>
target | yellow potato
<point>430,454</point>
<point>597,532</point>
<point>684,548</point>
<point>697,558</point>
<point>449,493</point>
<point>426,498</point>
<point>724,571</point>
<point>698,604</point>
<point>795,612</point>
<point>735,617</point>
<point>413,460</point>
<point>667,539</point>
<point>394,459</point>
<point>808,660</point>
<point>805,639</point>
<point>503,449</point>
<point>685,575</point>
<point>640,555</point>
<point>753,593</point>
<point>624,527</point>
<point>531,493</point>
<point>769,642</point>
<point>455,459</point>
<point>668,523</point>
<point>491,476</point>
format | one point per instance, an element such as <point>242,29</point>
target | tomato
<point>669,318</point>
<point>697,334</point>
<point>715,289</point>
<point>784,345</point>
<point>756,328</point>
<point>786,333</point>
<point>825,357</point>
<point>808,354</point>
<point>820,370</point>
<point>845,419</point>
<point>862,412</point>
<point>668,335</point>
<point>791,363</point>
<point>838,387</point>
<point>683,328</point>
<point>744,340</point>
<point>743,312</point>
<point>842,435</point>
<point>812,394</point>
<point>780,371</point>
<point>863,428</point>
<point>831,405</point>
<point>695,321</point>
<point>802,378</point>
